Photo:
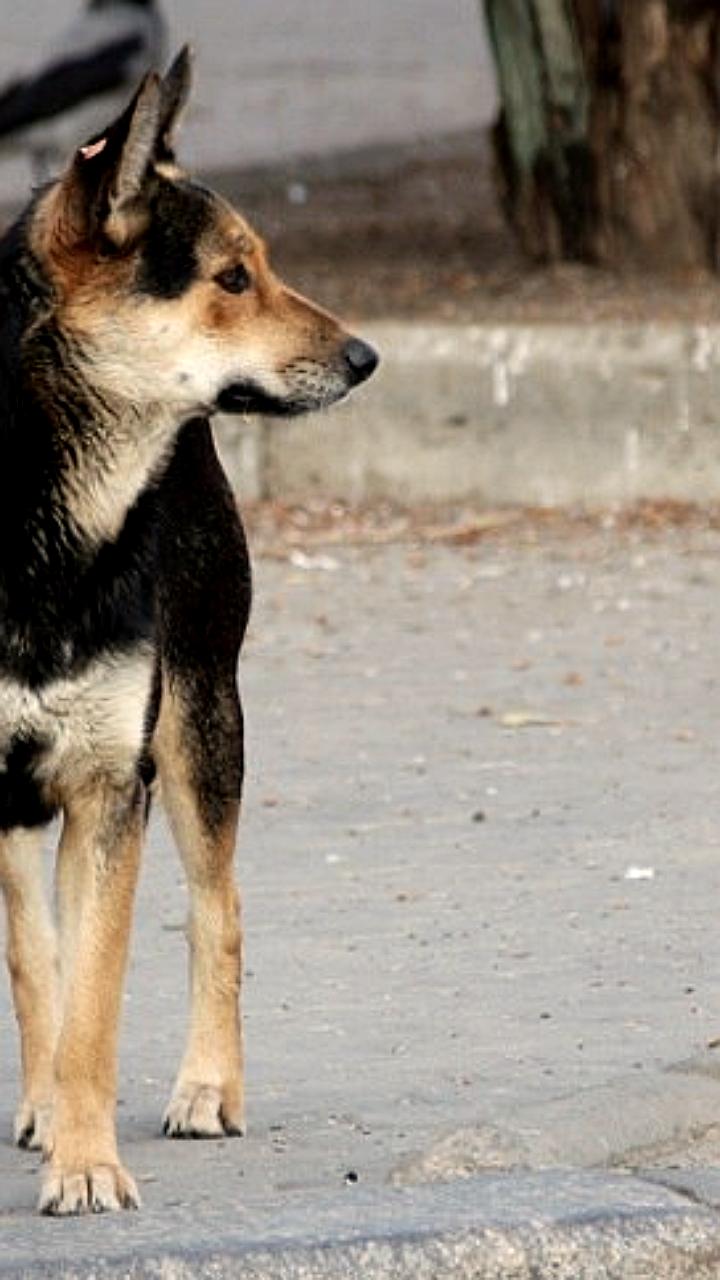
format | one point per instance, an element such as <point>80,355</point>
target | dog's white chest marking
<point>88,725</point>
<point>103,485</point>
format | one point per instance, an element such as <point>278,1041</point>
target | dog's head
<point>166,291</point>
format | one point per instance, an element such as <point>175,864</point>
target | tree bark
<point>609,134</point>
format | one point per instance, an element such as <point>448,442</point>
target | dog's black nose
<point>360,358</point>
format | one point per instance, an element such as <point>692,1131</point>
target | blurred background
<point>279,79</point>
<point>517,200</point>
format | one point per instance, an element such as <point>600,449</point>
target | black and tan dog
<point>133,304</point>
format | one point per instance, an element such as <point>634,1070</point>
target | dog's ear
<point>137,149</point>
<point>104,191</point>
<point>175,91</point>
<point>113,168</point>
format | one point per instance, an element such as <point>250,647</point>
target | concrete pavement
<point>481,866</point>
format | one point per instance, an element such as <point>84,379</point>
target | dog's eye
<point>234,279</point>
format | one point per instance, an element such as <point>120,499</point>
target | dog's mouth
<point>248,398</point>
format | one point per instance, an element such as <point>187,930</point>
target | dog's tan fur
<point>98,863</point>
<point>33,965</point>
<point>209,1094</point>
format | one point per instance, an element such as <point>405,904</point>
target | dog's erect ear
<point>175,91</point>
<point>142,120</point>
<point>117,163</point>
<point>103,191</point>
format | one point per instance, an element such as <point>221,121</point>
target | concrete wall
<point>538,414</point>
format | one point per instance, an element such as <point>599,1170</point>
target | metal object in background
<point>82,80</point>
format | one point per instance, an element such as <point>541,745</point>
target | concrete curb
<point>511,1204</point>
<point>532,414</point>
<point>620,1124</point>
<point>521,1227</point>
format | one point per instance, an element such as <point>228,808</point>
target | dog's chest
<point>55,738</point>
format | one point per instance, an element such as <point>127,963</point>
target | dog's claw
<point>200,1111</point>
<point>31,1126</point>
<point>98,1189</point>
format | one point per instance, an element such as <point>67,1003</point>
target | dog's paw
<point>100,1188</point>
<point>203,1111</point>
<point>32,1125</point>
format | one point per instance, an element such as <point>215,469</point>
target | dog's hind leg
<point>32,962</point>
<point>97,870</point>
<point>199,750</point>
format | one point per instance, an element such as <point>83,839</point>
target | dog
<point>135,304</point>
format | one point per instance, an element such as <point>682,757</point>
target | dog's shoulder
<point>204,576</point>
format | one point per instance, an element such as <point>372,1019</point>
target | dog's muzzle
<point>354,363</point>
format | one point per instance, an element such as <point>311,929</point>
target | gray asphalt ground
<point>481,868</point>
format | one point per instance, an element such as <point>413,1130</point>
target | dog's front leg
<point>32,961</point>
<point>97,871</point>
<point>201,776</point>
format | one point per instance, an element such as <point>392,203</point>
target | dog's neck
<point>77,455</point>
<point>108,450</point>
<point>75,468</point>
<point>106,482</point>
<point>104,475</point>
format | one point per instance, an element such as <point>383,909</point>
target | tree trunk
<point>609,134</point>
